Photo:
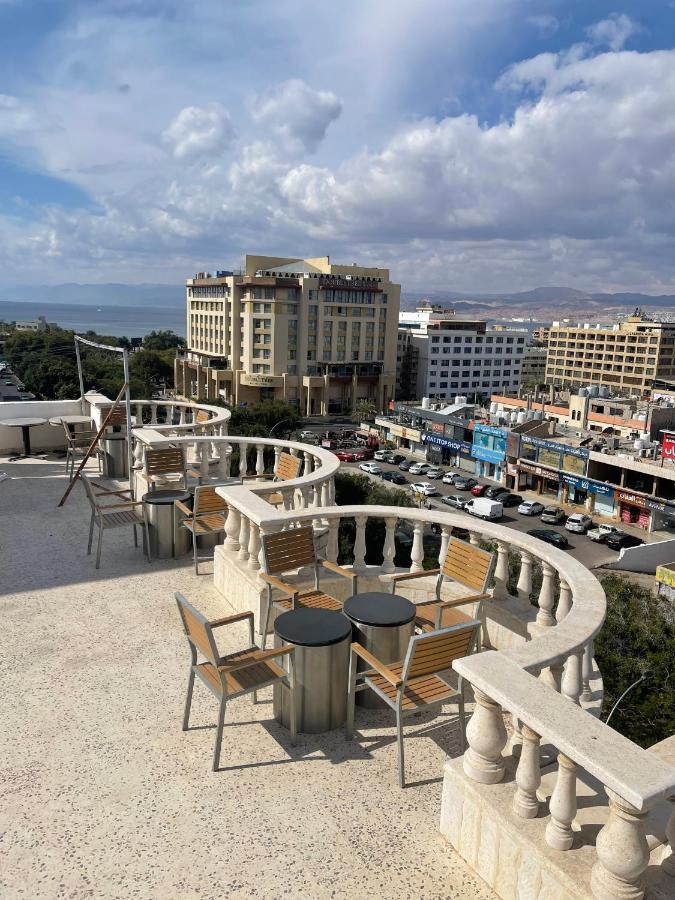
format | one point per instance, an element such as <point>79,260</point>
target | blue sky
<point>468,144</point>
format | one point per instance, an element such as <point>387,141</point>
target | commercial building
<point>316,334</point>
<point>442,437</point>
<point>533,368</point>
<point>627,357</point>
<point>460,355</point>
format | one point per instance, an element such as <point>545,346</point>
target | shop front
<point>489,451</point>
<point>533,477</point>
<point>595,496</point>
<point>645,512</point>
<point>406,438</point>
<point>446,451</point>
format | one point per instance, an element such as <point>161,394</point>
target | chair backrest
<point>118,415</point>
<point>208,501</point>
<point>165,461</point>
<point>197,629</point>
<point>89,490</point>
<point>285,550</point>
<point>202,416</point>
<point>468,565</point>
<point>435,651</point>
<point>288,466</point>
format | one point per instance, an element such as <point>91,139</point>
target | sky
<point>468,145</point>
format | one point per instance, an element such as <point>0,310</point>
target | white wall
<point>42,437</point>
<point>645,558</point>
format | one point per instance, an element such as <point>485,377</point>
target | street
<point>588,552</point>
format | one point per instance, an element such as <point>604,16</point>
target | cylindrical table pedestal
<point>163,525</point>
<point>115,461</point>
<point>321,639</point>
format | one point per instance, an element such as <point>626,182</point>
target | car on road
<point>620,540</point>
<point>478,490</point>
<point>424,487</point>
<point>419,468</point>
<point>484,508</point>
<point>578,523</point>
<point>433,473</point>
<point>600,533</point>
<point>455,500</point>
<point>549,536</point>
<point>507,499</point>
<point>406,465</point>
<point>530,508</point>
<point>449,478</point>
<point>381,455</point>
<point>394,477</point>
<point>308,434</point>
<point>464,482</point>
<point>493,490</point>
<point>553,515</point>
<point>394,458</point>
<point>346,455</point>
<point>371,468</point>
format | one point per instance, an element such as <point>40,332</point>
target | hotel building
<point>316,334</point>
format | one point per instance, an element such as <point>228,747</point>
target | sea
<point>116,321</point>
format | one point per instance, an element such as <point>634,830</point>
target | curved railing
<point>181,417</point>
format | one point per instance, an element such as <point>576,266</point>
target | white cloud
<point>199,132</point>
<point>614,31</point>
<point>297,113</point>
<point>546,25</point>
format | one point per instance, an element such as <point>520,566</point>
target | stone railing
<point>545,683</point>
<point>179,417</point>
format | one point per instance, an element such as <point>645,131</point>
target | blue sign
<point>586,484</point>
<point>429,437</point>
<point>489,429</point>
<point>486,454</point>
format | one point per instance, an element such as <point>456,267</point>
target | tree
<point>365,410</point>
<point>162,340</point>
<point>151,370</point>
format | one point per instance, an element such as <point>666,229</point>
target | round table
<point>70,421</point>
<point>383,624</point>
<point>25,423</point>
<point>321,638</point>
<point>167,537</point>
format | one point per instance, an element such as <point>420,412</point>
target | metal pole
<point>79,374</point>
<point>130,437</point>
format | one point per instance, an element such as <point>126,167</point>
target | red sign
<point>668,446</point>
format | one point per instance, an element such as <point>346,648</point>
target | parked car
<point>381,455</point>
<point>419,468</point>
<point>405,465</point>
<point>530,508</point>
<point>620,540</point>
<point>424,487</point>
<point>464,482</point>
<point>578,523</point>
<point>553,515</point>
<point>394,477</point>
<point>346,455</point>
<point>365,453</point>
<point>493,490</point>
<point>507,499</point>
<point>549,536</point>
<point>600,533</point>
<point>477,489</point>
<point>394,458</point>
<point>307,435</point>
<point>433,473</point>
<point>371,468</point>
<point>484,508</point>
<point>455,500</point>
<point>449,478</point>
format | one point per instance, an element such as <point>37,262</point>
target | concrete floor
<point>105,796</point>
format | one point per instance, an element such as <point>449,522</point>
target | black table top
<point>379,609</point>
<point>160,498</point>
<point>312,627</point>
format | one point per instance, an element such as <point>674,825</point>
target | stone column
<point>563,805</point>
<point>360,544</point>
<point>486,737</point>
<point>528,775</point>
<point>623,854</point>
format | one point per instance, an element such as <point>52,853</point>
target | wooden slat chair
<point>207,516</point>
<point>113,515</point>
<point>168,464</point>
<point>285,551</point>
<point>465,564</point>
<point>287,468</point>
<point>234,675</point>
<point>77,445</point>
<point>417,683</point>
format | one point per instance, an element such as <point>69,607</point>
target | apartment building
<point>307,331</point>
<point>533,369</point>
<point>627,357</point>
<point>461,356</point>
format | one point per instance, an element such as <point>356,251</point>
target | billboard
<point>668,446</point>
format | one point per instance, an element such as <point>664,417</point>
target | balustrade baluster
<point>360,544</point>
<point>325,494</point>
<point>389,549</point>
<point>243,459</point>
<point>253,547</point>
<point>474,538</point>
<point>183,419</point>
<point>243,538</point>
<point>571,685</point>
<point>417,552</point>
<point>564,602</point>
<point>224,454</point>
<point>669,863</point>
<point>446,530</point>
<point>139,414</point>
<point>546,597</point>
<point>587,672</point>
<point>305,495</point>
<point>333,546</point>
<point>309,459</point>
<point>486,737</point>
<point>232,528</point>
<point>524,585</point>
<point>331,489</point>
<point>528,775</point>
<point>203,456</point>
<point>259,459</point>
<point>563,805</point>
<point>623,852</point>
<point>287,497</point>
<point>153,413</point>
<point>502,569</point>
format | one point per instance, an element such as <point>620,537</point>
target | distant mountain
<point>98,294</point>
<point>564,297</point>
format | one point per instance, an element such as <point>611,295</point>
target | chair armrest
<point>265,475</point>
<point>262,657</point>
<point>226,620</point>
<point>334,567</point>
<point>183,508</point>
<point>275,582</point>
<point>377,665</point>
<point>404,576</point>
<point>128,505</point>
<point>460,601</point>
<point>194,473</point>
<point>105,493</point>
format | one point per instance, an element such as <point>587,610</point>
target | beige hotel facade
<point>315,334</point>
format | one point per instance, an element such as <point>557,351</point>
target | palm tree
<point>366,410</point>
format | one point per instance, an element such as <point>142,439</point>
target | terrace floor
<point>105,796</point>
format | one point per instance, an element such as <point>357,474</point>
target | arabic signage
<point>489,443</point>
<point>668,446</point>
<point>534,469</point>
<point>554,446</point>
<point>631,499</point>
<point>429,437</point>
<point>587,484</point>
<point>410,434</point>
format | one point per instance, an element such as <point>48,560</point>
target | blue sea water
<point>131,321</point>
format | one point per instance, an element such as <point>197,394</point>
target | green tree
<point>365,410</point>
<point>149,370</point>
<point>162,340</point>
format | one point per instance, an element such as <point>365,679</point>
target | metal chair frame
<point>111,515</point>
<point>77,444</point>
<point>359,681</point>
<point>199,632</point>
<point>192,516</point>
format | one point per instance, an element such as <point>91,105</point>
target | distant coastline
<point>131,321</point>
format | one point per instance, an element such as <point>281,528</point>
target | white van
<point>484,508</point>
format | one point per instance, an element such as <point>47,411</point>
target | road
<point>580,547</point>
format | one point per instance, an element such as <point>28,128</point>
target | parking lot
<point>588,552</point>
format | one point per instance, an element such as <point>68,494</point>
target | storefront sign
<point>410,434</point>
<point>534,469</point>
<point>429,437</point>
<point>493,430</point>
<point>630,499</point>
<point>586,484</point>
<point>261,380</point>
<point>555,446</point>
<point>489,443</point>
<point>668,446</point>
<point>438,427</point>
